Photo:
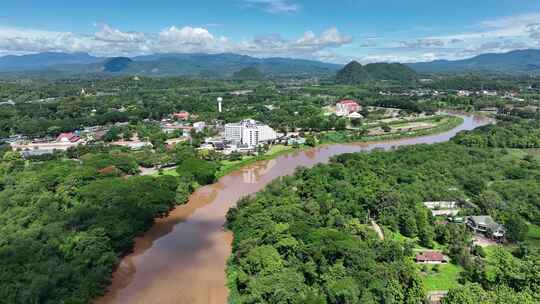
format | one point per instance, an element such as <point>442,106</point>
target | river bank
<point>182,258</point>
<point>228,167</point>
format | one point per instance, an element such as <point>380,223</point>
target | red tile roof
<point>348,101</point>
<point>181,115</point>
<point>69,136</point>
<point>431,256</point>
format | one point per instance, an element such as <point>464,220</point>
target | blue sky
<point>337,31</point>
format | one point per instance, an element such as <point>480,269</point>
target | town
<point>270,152</point>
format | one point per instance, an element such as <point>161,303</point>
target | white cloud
<point>109,41</point>
<point>274,6</point>
<point>329,38</point>
<point>423,43</point>
<point>534,32</point>
<point>495,36</point>
<point>109,34</point>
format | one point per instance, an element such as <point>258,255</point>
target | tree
<point>516,229</point>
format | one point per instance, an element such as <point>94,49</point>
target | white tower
<point>219,100</point>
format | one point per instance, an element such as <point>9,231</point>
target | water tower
<point>219,100</point>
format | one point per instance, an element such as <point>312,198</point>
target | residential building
<point>442,208</point>
<point>67,138</point>
<point>486,225</point>
<point>63,142</point>
<point>463,93</point>
<point>346,107</point>
<point>249,132</point>
<point>169,128</point>
<point>133,144</point>
<point>199,126</point>
<point>296,141</point>
<point>183,115</point>
<point>431,257</point>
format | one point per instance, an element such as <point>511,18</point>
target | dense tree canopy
<point>307,236</point>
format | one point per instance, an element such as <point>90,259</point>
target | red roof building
<point>431,257</point>
<point>67,137</point>
<point>346,107</point>
<point>183,115</point>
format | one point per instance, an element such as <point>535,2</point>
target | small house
<point>486,225</point>
<point>431,257</point>
<point>67,138</point>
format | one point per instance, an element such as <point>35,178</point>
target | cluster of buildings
<point>348,108</point>
<point>481,225</point>
<point>63,142</point>
<point>243,136</point>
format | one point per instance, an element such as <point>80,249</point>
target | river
<point>182,258</point>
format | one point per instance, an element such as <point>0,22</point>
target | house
<point>133,144</point>
<point>442,208</point>
<point>486,225</point>
<point>440,205</point>
<point>463,93</point>
<point>296,141</point>
<point>346,107</point>
<point>183,115</point>
<point>199,126</point>
<point>169,128</point>
<point>67,138</point>
<point>431,257</point>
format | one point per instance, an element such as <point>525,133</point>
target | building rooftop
<point>431,256</point>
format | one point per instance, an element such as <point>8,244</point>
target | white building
<point>249,132</point>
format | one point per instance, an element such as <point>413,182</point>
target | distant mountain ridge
<point>227,64</point>
<point>43,61</point>
<point>520,61</point>
<point>218,65</point>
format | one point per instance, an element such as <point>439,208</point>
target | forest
<point>64,224</point>
<point>308,238</point>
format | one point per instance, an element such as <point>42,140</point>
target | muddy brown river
<point>182,258</point>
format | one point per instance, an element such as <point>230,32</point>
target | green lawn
<point>170,172</point>
<point>444,279</point>
<point>521,153</point>
<point>396,236</point>
<point>533,237</point>
<point>230,166</point>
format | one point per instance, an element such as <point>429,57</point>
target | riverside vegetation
<point>306,238</point>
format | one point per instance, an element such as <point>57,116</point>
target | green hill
<point>249,73</point>
<point>117,64</point>
<point>355,73</point>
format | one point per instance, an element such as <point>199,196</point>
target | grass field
<point>443,125</point>
<point>445,278</point>
<point>533,237</point>
<point>521,153</point>
<point>230,166</point>
<point>169,172</point>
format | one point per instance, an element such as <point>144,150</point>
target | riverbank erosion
<point>182,258</point>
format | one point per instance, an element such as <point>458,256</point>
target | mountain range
<point>216,65</point>
<point>520,61</point>
<point>227,64</point>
